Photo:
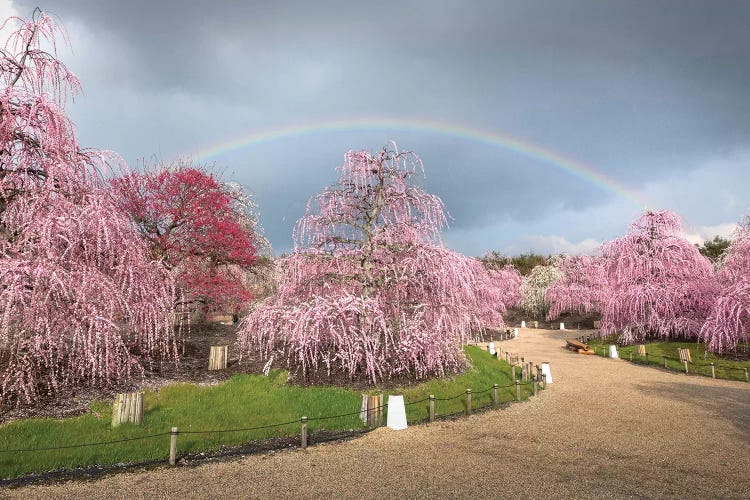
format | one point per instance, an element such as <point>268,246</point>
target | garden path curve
<point>605,428</point>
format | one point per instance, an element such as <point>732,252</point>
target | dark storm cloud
<point>641,90</point>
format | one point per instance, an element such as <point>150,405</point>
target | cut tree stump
<point>217,359</point>
<point>128,407</point>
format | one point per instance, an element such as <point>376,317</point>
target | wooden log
<point>380,409</point>
<point>684,355</point>
<point>363,409</point>
<point>217,359</point>
<point>127,407</point>
<point>372,409</point>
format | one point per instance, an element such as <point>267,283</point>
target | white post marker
<point>562,327</point>
<point>523,324</point>
<point>491,348</point>
<point>396,413</point>
<point>515,333</point>
<point>546,371</point>
<point>613,351</point>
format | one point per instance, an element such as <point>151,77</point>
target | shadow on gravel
<point>729,403</point>
<point>270,445</point>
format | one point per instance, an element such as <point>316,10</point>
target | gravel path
<point>605,428</point>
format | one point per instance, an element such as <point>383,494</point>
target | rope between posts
<point>87,444</point>
<point>482,392</point>
<point>454,397</point>
<point>244,429</point>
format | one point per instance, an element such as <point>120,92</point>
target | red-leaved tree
<point>369,289</point>
<point>729,322</point>
<point>198,227</point>
<point>81,303</point>
<point>651,283</point>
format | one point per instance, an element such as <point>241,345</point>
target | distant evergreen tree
<point>523,263</point>
<point>714,249</point>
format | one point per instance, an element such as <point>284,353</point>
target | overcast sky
<point>651,94</point>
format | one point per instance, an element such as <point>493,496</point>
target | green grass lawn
<point>724,368</point>
<point>244,401</point>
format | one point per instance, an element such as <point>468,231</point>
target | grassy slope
<point>243,401</point>
<point>725,368</point>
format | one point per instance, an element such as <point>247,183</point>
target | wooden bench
<point>577,346</point>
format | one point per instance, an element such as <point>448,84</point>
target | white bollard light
<point>523,324</point>
<point>546,371</point>
<point>491,348</point>
<point>396,413</point>
<point>515,332</point>
<point>613,351</point>
<point>562,326</point>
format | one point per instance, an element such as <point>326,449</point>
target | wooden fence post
<point>303,435</point>
<point>686,367</point>
<point>665,361</point>
<point>544,380</point>
<point>468,401</point>
<point>523,369</point>
<point>533,384</point>
<point>631,356</point>
<point>518,390</point>
<point>747,377</point>
<point>713,371</point>
<point>494,395</point>
<point>173,446</point>
<point>432,407</point>
<point>513,372</point>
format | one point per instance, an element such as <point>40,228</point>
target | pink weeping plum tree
<point>370,291</point>
<point>81,303</point>
<point>729,321</point>
<point>580,286</point>
<point>651,283</point>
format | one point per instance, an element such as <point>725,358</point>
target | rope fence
<point>537,381</point>
<point>662,360</point>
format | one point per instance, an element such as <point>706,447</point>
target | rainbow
<point>507,142</point>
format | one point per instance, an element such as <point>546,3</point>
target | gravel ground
<point>605,428</point>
